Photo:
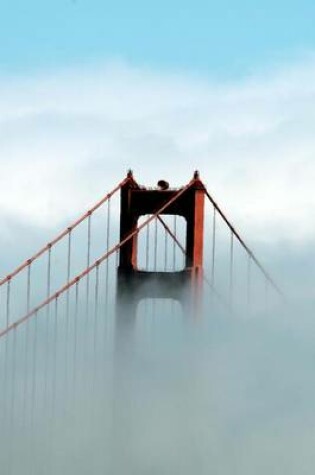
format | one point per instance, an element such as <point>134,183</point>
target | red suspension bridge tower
<point>136,201</point>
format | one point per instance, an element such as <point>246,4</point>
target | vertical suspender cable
<point>95,321</point>
<point>165,250</point>
<point>76,298</point>
<point>108,224</point>
<point>96,295</point>
<point>12,401</point>
<point>27,330</point>
<point>155,257</point>
<point>68,272</point>
<point>48,288</point>
<point>213,246</point>
<point>28,287</point>
<point>107,248</point>
<point>88,257</point>
<point>48,273</point>
<point>231,268</point>
<point>147,246</point>
<point>5,377</point>
<point>31,438</point>
<point>174,242</point>
<point>69,255</point>
<point>33,395</point>
<point>54,371</point>
<point>13,376</point>
<point>54,364</point>
<point>87,306</point>
<point>155,243</point>
<point>8,302</point>
<point>248,290</point>
<point>76,309</point>
<point>66,365</point>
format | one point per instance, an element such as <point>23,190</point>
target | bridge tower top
<point>137,201</point>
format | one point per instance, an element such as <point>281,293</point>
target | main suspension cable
<point>242,242</point>
<point>63,233</point>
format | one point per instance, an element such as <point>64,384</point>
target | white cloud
<point>67,138</point>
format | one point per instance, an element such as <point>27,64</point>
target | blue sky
<point>224,38</point>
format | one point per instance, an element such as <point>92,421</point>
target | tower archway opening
<point>161,244</point>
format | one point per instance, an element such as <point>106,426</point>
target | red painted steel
<point>87,271</point>
<point>137,201</point>
<point>187,201</point>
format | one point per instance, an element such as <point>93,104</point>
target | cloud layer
<point>67,137</point>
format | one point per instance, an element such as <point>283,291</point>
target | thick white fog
<point>159,392</point>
